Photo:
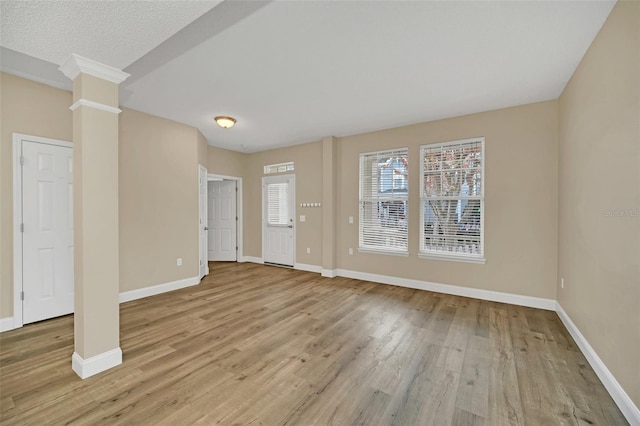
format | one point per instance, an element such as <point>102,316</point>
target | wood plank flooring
<point>261,345</point>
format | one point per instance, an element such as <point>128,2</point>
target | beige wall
<point>158,200</point>
<point>599,181</point>
<point>308,172</point>
<point>224,162</point>
<point>520,201</point>
<point>33,109</point>
<point>203,149</point>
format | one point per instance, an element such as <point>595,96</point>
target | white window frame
<point>387,250</point>
<point>289,166</point>
<point>451,256</point>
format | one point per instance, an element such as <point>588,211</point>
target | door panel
<point>222,221</point>
<point>278,206</point>
<point>47,240</point>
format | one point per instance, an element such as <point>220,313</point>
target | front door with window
<point>278,214</point>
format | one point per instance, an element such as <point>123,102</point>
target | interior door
<point>47,237</point>
<point>278,232</point>
<point>222,221</point>
<point>202,226</point>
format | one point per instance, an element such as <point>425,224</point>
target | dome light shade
<point>224,121</point>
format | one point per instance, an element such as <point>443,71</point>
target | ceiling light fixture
<point>225,122</point>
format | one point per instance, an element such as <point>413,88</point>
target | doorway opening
<point>43,229</point>
<point>224,221</point>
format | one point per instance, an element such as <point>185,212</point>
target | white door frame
<point>265,179</point>
<point>17,217</point>
<point>213,177</point>
<point>202,168</point>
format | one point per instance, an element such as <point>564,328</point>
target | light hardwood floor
<point>254,344</point>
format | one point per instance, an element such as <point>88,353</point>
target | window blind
<point>452,198</point>
<point>384,188</point>
<point>278,203</point>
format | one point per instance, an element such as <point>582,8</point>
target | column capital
<point>77,64</point>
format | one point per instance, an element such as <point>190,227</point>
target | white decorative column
<point>95,211</point>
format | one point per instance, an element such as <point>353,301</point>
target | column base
<point>96,364</point>
<point>329,273</point>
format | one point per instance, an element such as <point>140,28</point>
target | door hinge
<point>236,217</point>
<point>22,227</point>
<point>236,248</point>
<point>22,160</point>
<point>22,295</point>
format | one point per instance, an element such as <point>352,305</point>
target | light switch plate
<point>303,218</point>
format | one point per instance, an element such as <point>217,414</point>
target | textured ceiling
<point>293,72</point>
<point>116,33</point>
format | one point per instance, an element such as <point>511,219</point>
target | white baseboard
<point>250,259</point>
<point>96,364</point>
<point>157,289</point>
<point>494,296</point>
<point>329,273</point>
<point>6,324</point>
<point>309,268</point>
<point>624,402</point>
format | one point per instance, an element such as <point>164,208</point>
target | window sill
<point>387,252</point>
<point>452,258</point>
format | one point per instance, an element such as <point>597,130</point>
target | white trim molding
<point>96,364</point>
<point>621,398</point>
<point>96,105</point>
<point>494,296</point>
<point>308,268</point>
<point>329,273</point>
<point>139,293</point>
<point>6,324</point>
<point>77,64</point>
<point>251,259</point>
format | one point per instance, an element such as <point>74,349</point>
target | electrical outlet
<point>351,221</point>
<point>179,261</point>
<point>562,282</point>
<point>350,252</point>
<point>308,250</point>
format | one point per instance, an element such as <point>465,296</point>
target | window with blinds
<point>278,203</point>
<point>384,185</point>
<point>452,200</point>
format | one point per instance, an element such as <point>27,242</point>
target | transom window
<point>278,168</point>
<point>384,184</point>
<point>452,200</point>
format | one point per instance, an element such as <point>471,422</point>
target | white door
<point>278,211</point>
<point>222,221</point>
<point>202,221</point>
<point>47,239</point>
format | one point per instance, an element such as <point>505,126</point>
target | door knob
<point>206,228</point>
